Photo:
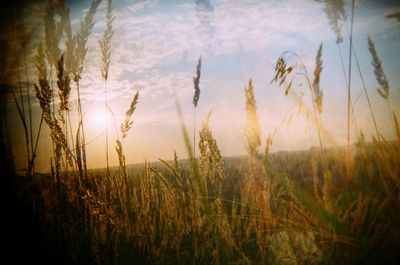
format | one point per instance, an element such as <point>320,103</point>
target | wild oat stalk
<point>105,47</point>
<point>252,128</point>
<point>285,71</point>
<point>196,96</point>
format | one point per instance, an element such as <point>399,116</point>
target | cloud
<point>156,45</point>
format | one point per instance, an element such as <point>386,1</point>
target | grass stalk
<point>105,46</point>
<point>349,93</point>
<point>32,165</point>
<point>367,95</point>
<point>21,105</point>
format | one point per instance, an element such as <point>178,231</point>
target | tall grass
<point>283,208</point>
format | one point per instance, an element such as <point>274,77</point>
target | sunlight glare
<point>100,117</point>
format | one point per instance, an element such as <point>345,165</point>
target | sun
<point>99,117</point>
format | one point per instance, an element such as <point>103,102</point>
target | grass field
<point>329,204</point>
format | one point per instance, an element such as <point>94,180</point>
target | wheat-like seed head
<point>252,129</point>
<point>105,42</point>
<point>335,12</point>
<point>63,84</point>
<point>44,95</point>
<point>211,164</point>
<point>82,38</point>
<point>127,124</point>
<point>121,159</point>
<point>196,83</point>
<point>378,70</point>
<point>43,91</point>
<point>53,33</point>
<point>318,94</point>
<point>65,22</point>
<point>70,40</point>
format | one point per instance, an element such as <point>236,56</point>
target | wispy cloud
<point>156,45</point>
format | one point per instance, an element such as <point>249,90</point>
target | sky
<point>155,48</point>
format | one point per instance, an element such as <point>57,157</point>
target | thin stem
<point>66,139</point>
<point>194,132</point>
<point>29,105</point>
<point>317,119</point>
<point>367,96</point>
<point>392,121</point>
<point>21,109</point>
<point>349,94</point>
<point>364,89</point>
<point>70,128</point>
<point>353,117</point>
<point>52,99</point>
<point>37,139</point>
<point>106,125</point>
<point>80,114</point>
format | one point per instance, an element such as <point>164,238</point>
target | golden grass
<point>209,210</point>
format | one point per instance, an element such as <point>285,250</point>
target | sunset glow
<point>201,131</point>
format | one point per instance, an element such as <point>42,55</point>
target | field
<point>327,204</point>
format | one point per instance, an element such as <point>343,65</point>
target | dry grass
<point>255,210</point>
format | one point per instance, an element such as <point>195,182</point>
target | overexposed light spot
<point>98,118</point>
